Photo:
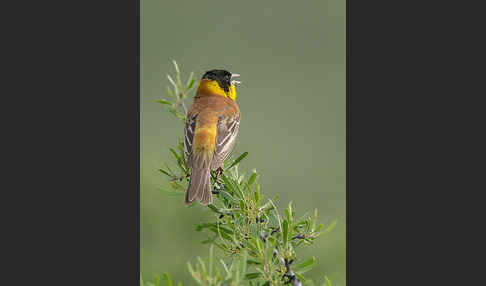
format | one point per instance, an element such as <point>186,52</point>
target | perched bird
<point>210,131</point>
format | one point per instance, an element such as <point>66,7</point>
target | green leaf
<point>277,216</point>
<point>190,85</point>
<point>231,186</point>
<point>285,226</point>
<point>176,66</point>
<point>167,166</point>
<point>267,206</point>
<point>252,262</point>
<point>227,184</point>
<point>252,178</point>
<point>257,197</point>
<point>251,244</point>
<point>228,272</point>
<point>241,178</point>
<point>215,209</point>
<point>189,80</point>
<point>171,81</point>
<point>300,276</point>
<point>218,275</point>
<point>156,281</point>
<point>287,214</point>
<point>163,101</point>
<point>174,112</point>
<point>227,196</point>
<point>223,232</point>
<point>169,91</point>
<point>327,282</point>
<point>167,280</point>
<point>330,227</point>
<point>250,276</point>
<point>242,206</point>
<point>175,185</point>
<point>243,260</point>
<point>290,219</point>
<point>275,198</point>
<point>194,274</point>
<point>202,265</point>
<point>314,220</point>
<point>141,280</point>
<point>175,154</point>
<point>241,157</point>
<point>214,227</point>
<point>309,262</point>
<point>270,245</point>
<point>221,246</point>
<point>165,173</point>
<point>209,240</point>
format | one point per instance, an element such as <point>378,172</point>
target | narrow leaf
<point>327,282</point>
<point>252,178</point>
<point>251,276</point>
<point>190,85</point>
<point>176,66</point>
<point>254,262</point>
<point>165,172</point>
<point>167,280</point>
<point>175,154</point>
<point>285,226</point>
<point>202,264</point>
<point>227,196</point>
<point>171,81</point>
<point>330,227</point>
<point>169,91</point>
<point>307,263</point>
<point>242,156</point>
<point>156,281</point>
<point>215,209</point>
<point>300,276</point>
<point>228,272</point>
<point>194,274</point>
<point>163,101</point>
<point>314,220</point>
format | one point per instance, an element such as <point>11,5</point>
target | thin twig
<point>298,236</point>
<point>183,106</point>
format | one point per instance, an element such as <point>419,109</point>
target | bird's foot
<point>219,171</point>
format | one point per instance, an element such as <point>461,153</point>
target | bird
<point>210,131</point>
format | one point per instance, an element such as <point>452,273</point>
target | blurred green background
<point>291,56</point>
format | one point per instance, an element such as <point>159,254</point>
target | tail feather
<point>202,154</point>
<point>199,187</point>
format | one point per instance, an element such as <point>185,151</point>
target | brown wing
<point>189,129</point>
<point>225,140</point>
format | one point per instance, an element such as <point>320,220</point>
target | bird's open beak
<point>235,82</point>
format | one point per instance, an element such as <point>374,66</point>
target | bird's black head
<point>222,77</point>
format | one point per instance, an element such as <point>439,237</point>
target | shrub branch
<point>258,243</point>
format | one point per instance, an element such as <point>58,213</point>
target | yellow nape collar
<point>207,87</point>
